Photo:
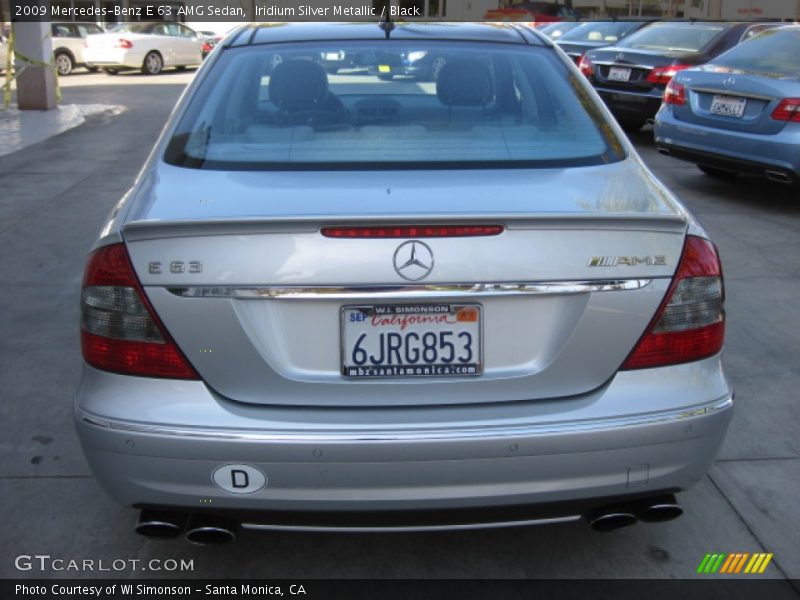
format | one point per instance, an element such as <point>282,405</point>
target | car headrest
<point>298,85</point>
<point>465,82</point>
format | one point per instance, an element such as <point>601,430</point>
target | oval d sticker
<point>239,479</point>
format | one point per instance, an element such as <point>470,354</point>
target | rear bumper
<point>631,105</point>
<point>736,151</point>
<point>536,464</point>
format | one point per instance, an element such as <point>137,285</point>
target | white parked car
<point>69,41</point>
<point>147,46</point>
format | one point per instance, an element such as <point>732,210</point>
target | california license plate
<point>728,106</point>
<point>411,340</point>
<point>619,74</point>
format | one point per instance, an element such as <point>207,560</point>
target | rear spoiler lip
<point>157,229</point>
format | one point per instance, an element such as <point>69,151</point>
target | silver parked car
<point>335,301</point>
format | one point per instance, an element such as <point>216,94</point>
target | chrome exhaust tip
<point>160,524</point>
<point>210,530</point>
<point>777,176</point>
<point>609,519</point>
<point>658,510</point>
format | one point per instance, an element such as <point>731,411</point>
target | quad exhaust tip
<point>658,510</point>
<point>777,176</point>
<point>160,524</point>
<point>610,519</point>
<point>211,531</point>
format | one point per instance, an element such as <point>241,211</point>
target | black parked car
<point>631,75</point>
<point>595,34</point>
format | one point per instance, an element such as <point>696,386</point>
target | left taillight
<point>675,93</point>
<point>120,331</point>
<point>663,75</point>
<point>690,323</point>
<point>123,43</point>
<point>586,66</point>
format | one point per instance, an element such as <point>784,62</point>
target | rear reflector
<point>120,332</point>
<point>407,231</point>
<point>690,323</point>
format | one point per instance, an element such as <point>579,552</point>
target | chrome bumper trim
<point>412,528</point>
<point>446,435</point>
<point>415,292</point>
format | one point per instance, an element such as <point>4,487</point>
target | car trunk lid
<point>257,297</point>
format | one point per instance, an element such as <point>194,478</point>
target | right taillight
<point>690,323</point>
<point>120,332</point>
<point>586,66</point>
<point>123,43</point>
<point>675,93</point>
<point>787,110</point>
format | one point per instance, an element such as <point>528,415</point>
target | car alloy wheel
<point>64,63</point>
<point>153,63</point>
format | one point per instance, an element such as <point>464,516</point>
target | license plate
<point>384,69</point>
<point>728,106</point>
<point>619,74</point>
<point>411,340</point>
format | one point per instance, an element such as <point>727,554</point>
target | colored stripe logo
<point>735,563</point>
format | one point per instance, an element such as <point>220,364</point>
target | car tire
<point>717,173</point>
<point>153,63</point>
<point>108,71</point>
<point>64,63</point>
<point>631,125</point>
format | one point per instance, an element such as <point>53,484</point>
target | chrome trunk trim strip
<point>412,292</point>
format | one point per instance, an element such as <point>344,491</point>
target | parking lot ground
<point>54,196</point>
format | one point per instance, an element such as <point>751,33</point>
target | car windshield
<point>772,51</point>
<point>674,37</point>
<point>391,104</point>
<point>599,31</point>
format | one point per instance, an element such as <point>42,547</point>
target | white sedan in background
<point>147,46</point>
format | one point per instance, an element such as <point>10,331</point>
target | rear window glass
<point>599,31</point>
<point>390,104</point>
<point>771,51</point>
<point>674,37</point>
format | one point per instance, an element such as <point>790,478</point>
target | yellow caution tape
<point>31,62</point>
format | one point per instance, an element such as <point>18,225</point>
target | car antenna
<point>386,22</point>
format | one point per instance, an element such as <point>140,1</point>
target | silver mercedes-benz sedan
<point>347,301</point>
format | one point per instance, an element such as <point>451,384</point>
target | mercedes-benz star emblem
<point>729,81</point>
<point>413,260</point>
<point>620,56</point>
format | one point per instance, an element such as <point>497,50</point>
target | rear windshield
<point>599,31</point>
<point>391,104</point>
<point>674,37</point>
<point>772,51</point>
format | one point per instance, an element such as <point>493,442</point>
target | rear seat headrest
<point>298,85</point>
<point>465,82</point>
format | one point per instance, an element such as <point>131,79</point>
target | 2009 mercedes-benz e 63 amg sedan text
<point>349,301</point>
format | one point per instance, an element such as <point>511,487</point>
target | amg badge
<point>631,261</point>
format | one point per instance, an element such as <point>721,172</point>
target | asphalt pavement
<point>54,196</point>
